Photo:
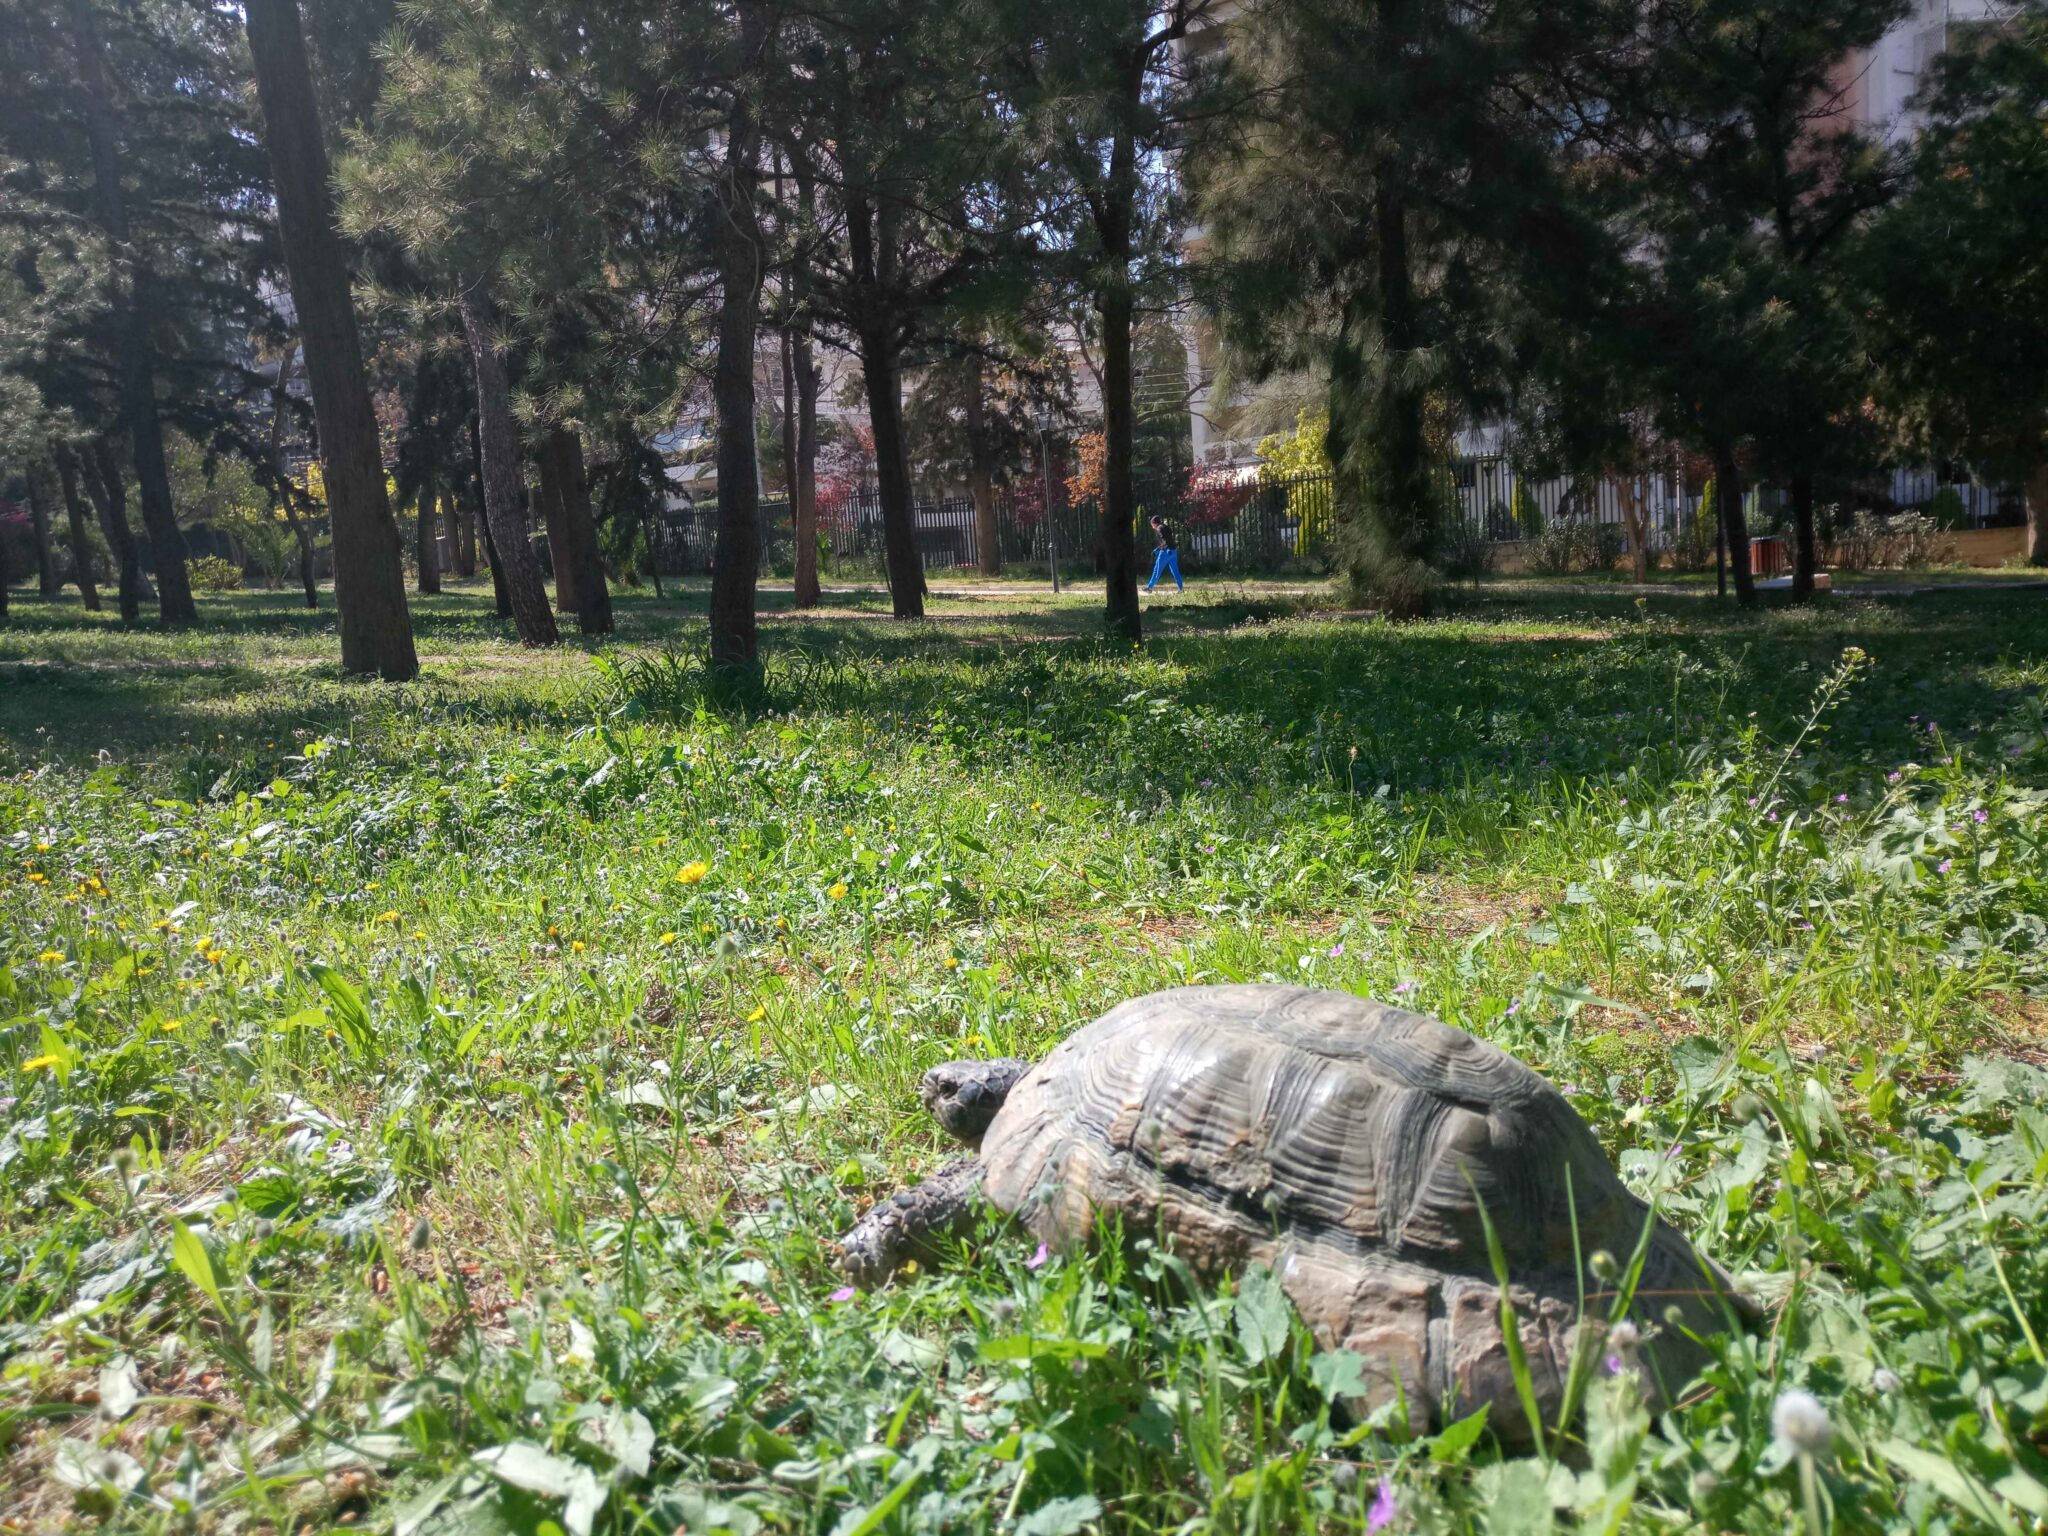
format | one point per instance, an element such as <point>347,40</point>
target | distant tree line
<point>511,243</point>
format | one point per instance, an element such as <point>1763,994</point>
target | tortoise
<point>1345,1145</point>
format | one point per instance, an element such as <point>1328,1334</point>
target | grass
<point>429,1108</point>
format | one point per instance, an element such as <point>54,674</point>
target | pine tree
<point>369,580</point>
<point>1368,221</point>
<point>1959,274</point>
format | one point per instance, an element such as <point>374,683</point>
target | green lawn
<point>388,1075</point>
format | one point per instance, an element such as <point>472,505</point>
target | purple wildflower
<point>1513,1008</point>
<point>1381,1514</point>
<point>1337,950</point>
<point>1037,1260</point>
<point>1892,777</point>
<point>1944,866</point>
<point>1613,1364</point>
<point>1980,817</point>
<point>1841,799</point>
<point>844,1293</point>
<point>1404,987</point>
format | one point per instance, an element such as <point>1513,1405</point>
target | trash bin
<point>1767,556</point>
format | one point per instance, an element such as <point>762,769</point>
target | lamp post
<point>1052,532</point>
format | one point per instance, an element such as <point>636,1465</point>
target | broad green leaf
<point>193,1261</point>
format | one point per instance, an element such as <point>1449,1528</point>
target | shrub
<point>1946,508</point>
<point>1904,541</point>
<point>210,573</point>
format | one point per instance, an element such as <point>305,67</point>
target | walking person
<point>1166,558</point>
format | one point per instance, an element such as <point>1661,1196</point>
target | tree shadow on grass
<point>1571,685</point>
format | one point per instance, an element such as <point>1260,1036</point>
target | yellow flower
<point>782,925</point>
<point>36,877</point>
<point>215,956</point>
<point>171,1026</point>
<point>576,946</point>
<point>164,925</point>
<point>757,1015</point>
<point>203,945</point>
<point>39,1063</point>
<point>838,891</point>
<point>42,847</point>
<point>419,933</point>
<point>387,917</point>
<point>951,962</point>
<point>666,938</point>
<point>692,872</point>
<point>849,830</point>
<point>145,970</point>
<point>371,886</point>
<point>71,900</point>
<point>51,957</point>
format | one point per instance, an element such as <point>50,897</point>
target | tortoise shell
<point>1349,1147</point>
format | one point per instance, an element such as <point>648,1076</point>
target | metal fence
<point>1245,519</point>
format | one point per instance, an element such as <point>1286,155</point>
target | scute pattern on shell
<point>1346,1145</point>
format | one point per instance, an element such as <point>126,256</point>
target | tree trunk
<point>2037,517</point>
<point>548,489</point>
<point>501,595</point>
<point>136,363</point>
<point>736,564</point>
<point>1117,537</point>
<point>579,532</point>
<point>1631,497</point>
<point>428,547</point>
<point>981,480</point>
<point>109,494</point>
<point>498,445</point>
<point>369,571</point>
<point>49,582</point>
<point>881,369</point>
<point>1734,526</point>
<point>1805,555</point>
<point>804,460</point>
<point>74,511</point>
<point>301,531</point>
<point>809,594</point>
<point>465,537</point>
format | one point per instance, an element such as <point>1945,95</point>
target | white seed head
<point>1885,1380</point>
<point>1801,1421</point>
<point>1624,1336</point>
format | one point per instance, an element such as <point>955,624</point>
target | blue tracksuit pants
<point>1166,563</point>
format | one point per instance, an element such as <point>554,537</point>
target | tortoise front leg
<point>913,1224</point>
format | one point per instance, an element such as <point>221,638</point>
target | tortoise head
<point>965,1095</point>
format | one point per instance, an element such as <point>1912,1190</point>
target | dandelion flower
<point>171,1026</point>
<point>757,1015</point>
<point>51,957</point>
<point>666,938</point>
<point>576,946</point>
<point>838,891</point>
<point>39,1063</point>
<point>387,917</point>
<point>692,872</point>
<point>951,962</point>
<point>1801,1421</point>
